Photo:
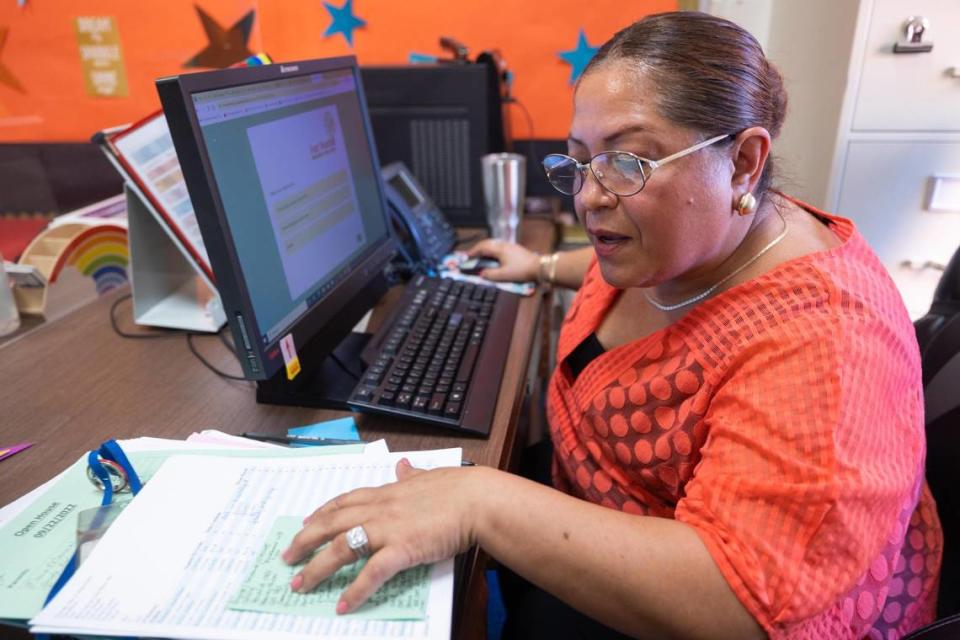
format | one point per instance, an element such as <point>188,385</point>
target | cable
<point>173,334</point>
<point>526,113</point>
<point>344,367</point>
<point>531,150</point>
<point>135,336</point>
<point>203,361</point>
<point>228,343</point>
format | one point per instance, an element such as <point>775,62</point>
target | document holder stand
<point>169,289</point>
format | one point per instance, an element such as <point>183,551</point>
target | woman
<point>737,414</point>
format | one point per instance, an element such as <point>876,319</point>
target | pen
<point>312,440</point>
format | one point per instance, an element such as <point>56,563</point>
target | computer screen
<point>280,163</point>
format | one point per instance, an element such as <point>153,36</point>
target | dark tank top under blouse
<point>584,353</point>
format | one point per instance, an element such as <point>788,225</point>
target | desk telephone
<point>425,235</point>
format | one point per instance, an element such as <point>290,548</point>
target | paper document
<point>176,557</point>
<point>38,540</point>
<point>267,587</point>
<point>147,149</point>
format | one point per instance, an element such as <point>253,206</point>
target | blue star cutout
<point>344,22</point>
<point>579,58</point>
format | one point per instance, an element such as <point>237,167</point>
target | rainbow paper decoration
<point>80,262</point>
<point>101,253</point>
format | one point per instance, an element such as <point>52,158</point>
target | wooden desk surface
<point>73,383</point>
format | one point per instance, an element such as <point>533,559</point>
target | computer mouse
<point>472,266</point>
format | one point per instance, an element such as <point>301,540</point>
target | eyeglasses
<point>619,172</point>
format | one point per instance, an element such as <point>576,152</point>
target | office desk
<point>73,383</point>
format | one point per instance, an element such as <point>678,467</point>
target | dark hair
<point>711,74</point>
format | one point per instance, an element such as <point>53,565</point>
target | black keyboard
<point>441,358</point>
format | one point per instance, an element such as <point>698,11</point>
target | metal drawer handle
<point>921,265</point>
<point>913,30</point>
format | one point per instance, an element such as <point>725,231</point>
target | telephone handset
<point>424,233</point>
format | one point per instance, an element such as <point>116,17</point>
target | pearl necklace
<point>706,292</point>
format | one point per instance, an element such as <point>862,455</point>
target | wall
<point>46,94</point>
<point>810,43</point>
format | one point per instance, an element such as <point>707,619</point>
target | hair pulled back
<point>711,74</point>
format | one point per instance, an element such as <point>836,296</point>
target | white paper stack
<point>176,555</point>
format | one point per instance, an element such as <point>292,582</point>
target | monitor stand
<point>327,378</point>
<point>169,288</point>
<point>328,387</point>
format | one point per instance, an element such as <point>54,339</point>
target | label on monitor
<point>290,356</point>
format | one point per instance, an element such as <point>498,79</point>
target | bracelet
<point>547,271</point>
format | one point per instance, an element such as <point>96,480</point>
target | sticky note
<point>341,429</point>
<point>290,358</point>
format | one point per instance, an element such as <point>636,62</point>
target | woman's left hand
<point>424,517</point>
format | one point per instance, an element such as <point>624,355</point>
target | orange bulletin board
<point>62,79</point>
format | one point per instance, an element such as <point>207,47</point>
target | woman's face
<point>681,226</point>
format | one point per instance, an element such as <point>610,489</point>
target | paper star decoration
<point>579,58</point>
<point>344,22</point>
<point>226,46</point>
<point>7,78</point>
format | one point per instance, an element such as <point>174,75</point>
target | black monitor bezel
<point>326,323</point>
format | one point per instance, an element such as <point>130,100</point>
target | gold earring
<point>747,204</point>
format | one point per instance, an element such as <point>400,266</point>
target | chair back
<point>944,629</point>
<point>938,334</point>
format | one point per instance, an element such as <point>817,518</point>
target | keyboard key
<point>364,393</point>
<point>466,365</point>
<point>437,402</point>
<point>452,410</point>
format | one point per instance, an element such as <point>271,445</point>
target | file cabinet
<point>896,164</point>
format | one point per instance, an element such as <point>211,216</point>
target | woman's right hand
<point>517,263</point>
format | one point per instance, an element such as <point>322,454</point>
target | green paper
<point>36,545</point>
<point>267,588</point>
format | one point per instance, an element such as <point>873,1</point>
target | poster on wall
<point>101,56</point>
<point>124,46</point>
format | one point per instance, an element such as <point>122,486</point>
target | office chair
<point>943,629</point>
<point>938,334</point>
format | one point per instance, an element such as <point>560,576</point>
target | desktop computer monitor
<point>439,120</point>
<point>280,164</point>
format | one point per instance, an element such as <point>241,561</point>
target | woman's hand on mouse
<point>517,263</point>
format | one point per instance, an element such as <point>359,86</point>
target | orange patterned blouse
<point>783,421</point>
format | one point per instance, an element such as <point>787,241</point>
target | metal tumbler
<point>504,190</point>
